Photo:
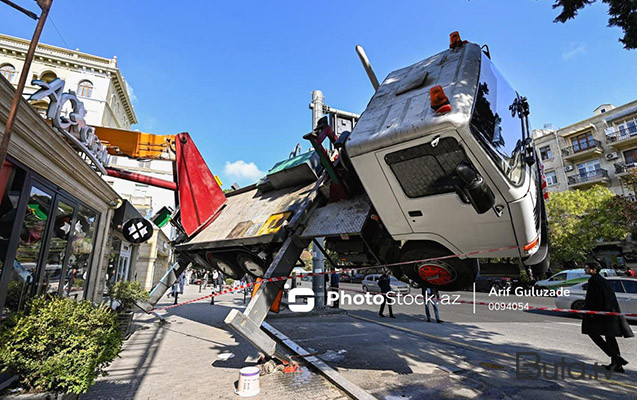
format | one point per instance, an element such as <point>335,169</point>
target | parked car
<point>570,277</point>
<point>358,278</point>
<point>370,284</point>
<point>625,290</point>
<point>345,278</point>
<point>486,283</point>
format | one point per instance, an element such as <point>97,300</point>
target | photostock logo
<point>301,293</point>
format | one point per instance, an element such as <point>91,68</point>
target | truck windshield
<point>497,130</point>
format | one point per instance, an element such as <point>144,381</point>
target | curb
<point>328,372</point>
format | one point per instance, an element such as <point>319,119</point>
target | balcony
<point>622,138</point>
<point>588,178</point>
<point>572,153</point>
<point>623,169</point>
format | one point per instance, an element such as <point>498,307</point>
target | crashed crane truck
<point>440,163</point>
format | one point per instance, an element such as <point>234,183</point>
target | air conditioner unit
<point>568,168</point>
<point>612,156</point>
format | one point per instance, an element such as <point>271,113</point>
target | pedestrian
<point>335,278</point>
<point>175,290</point>
<point>182,282</point>
<point>601,297</point>
<point>432,296</point>
<point>385,288</point>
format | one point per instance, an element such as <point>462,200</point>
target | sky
<point>238,76</point>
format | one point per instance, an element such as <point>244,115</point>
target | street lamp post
<point>45,5</point>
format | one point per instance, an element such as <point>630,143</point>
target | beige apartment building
<point>601,149</point>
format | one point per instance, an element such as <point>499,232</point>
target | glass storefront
<point>46,240</point>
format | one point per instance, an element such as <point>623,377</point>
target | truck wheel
<point>251,263</point>
<point>226,264</point>
<point>447,275</point>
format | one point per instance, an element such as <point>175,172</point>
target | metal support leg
<point>165,283</point>
<point>248,324</point>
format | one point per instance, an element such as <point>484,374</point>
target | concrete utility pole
<point>318,259</point>
<point>45,5</point>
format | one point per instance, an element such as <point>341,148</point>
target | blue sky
<point>239,75</point>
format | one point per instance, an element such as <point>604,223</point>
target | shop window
<point>30,245</point>
<point>85,89</point>
<point>11,184</point>
<point>545,153</point>
<point>58,248</point>
<point>8,71</point>
<point>77,272</point>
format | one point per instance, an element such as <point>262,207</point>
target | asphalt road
<point>481,344</point>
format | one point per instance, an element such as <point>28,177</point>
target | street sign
<point>137,230</point>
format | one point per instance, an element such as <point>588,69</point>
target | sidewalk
<point>180,359</point>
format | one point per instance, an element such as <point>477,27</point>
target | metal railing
<point>588,176</point>
<point>622,134</point>
<point>571,150</point>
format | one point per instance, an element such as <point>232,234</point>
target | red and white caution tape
<point>473,253</point>
<point>285,278</point>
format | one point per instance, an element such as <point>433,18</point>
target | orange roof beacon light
<point>439,101</point>
<point>455,41</point>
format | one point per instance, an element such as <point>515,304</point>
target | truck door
<point>423,180</point>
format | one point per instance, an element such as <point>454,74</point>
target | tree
<point>623,14</point>
<point>580,219</point>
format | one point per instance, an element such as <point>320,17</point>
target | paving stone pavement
<point>179,360</point>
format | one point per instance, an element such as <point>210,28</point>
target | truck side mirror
<point>476,189</point>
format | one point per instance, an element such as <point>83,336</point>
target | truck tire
<point>460,273</point>
<point>251,263</point>
<point>226,263</point>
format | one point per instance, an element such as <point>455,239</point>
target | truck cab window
<point>497,130</point>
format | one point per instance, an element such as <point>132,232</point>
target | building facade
<point>601,149</point>
<point>55,213</point>
<point>96,80</point>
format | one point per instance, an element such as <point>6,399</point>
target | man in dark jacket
<point>600,297</point>
<point>385,287</point>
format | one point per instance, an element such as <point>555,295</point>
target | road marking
<point>470,346</point>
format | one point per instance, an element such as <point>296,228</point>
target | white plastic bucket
<point>248,382</point>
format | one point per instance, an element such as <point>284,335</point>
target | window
<point>616,285</point>
<point>630,156</point>
<point>32,236</point>
<point>545,153</point>
<point>77,272</point>
<point>424,170</point>
<point>48,76</point>
<point>630,286</point>
<point>551,178</point>
<point>497,130</point>
<point>587,168</point>
<point>603,110</point>
<point>11,183</point>
<point>85,89</point>
<point>558,277</point>
<point>8,71</point>
<point>583,142</point>
<point>628,127</point>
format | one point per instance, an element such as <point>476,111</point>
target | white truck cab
<point>419,163</point>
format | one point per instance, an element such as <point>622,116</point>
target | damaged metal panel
<point>345,217</point>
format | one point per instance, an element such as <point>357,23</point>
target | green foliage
<point>580,219</point>
<point>127,294</point>
<point>623,14</point>
<point>524,278</point>
<point>61,345</point>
